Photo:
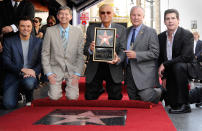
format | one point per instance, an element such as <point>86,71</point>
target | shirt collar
<point>172,34</point>
<point>13,2</point>
<point>62,29</point>
<point>105,27</point>
<point>137,29</point>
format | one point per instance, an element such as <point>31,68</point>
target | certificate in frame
<point>105,39</point>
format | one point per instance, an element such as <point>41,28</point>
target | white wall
<point>188,9</point>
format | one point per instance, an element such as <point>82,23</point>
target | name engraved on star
<point>105,53</point>
<point>104,44</point>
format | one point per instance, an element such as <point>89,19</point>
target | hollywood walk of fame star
<point>104,38</point>
<point>83,118</point>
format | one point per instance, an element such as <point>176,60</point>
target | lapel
<point>57,35</point>
<point>70,38</point>
<point>163,44</point>
<point>112,25</point>
<point>31,48</point>
<point>19,45</point>
<point>139,36</point>
<point>176,41</point>
<point>197,48</point>
<point>129,36</point>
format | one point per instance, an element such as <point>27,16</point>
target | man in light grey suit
<point>141,61</point>
<point>62,56</point>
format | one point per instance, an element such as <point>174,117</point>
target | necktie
<point>64,42</point>
<point>131,45</point>
<point>132,39</point>
<point>15,7</point>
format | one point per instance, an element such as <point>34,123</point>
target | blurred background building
<point>86,11</point>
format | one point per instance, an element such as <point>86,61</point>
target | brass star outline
<point>83,118</point>
<point>104,38</point>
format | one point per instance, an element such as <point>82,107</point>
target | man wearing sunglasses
<point>112,71</point>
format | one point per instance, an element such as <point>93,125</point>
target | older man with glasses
<point>111,72</point>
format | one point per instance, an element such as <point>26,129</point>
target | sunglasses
<point>35,21</point>
<point>50,23</point>
<point>108,12</point>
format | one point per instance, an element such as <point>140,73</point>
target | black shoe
<point>95,96</point>
<point>198,104</point>
<point>185,108</point>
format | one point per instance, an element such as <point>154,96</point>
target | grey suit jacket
<point>55,59</point>
<point>115,70</point>
<point>144,68</point>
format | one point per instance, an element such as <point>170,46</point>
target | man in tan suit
<point>62,56</point>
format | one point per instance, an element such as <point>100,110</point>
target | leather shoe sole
<point>181,110</point>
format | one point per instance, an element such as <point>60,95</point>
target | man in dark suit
<point>176,50</point>
<point>142,54</point>
<point>22,61</point>
<point>111,72</point>
<point>197,47</point>
<point>12,10</point>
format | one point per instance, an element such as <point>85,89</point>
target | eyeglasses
<point>108,12</point>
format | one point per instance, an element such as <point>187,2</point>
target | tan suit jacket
<point>59,61</point>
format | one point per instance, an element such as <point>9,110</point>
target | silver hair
<point>65,8</point>
<point>135,7</point>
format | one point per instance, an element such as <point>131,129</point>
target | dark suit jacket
<point>25,8</point>
<point>13,57</point>
<point>115,70</point>
<point>198,50</point>
<point>182,48</point>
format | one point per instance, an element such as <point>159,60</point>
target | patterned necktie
<point>64,42</point>
<point>132,39</point>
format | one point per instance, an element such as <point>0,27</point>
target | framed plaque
<point>105,39</point>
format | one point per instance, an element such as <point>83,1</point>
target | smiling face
<point>137,16</point>
<point>171,21</point>
<point>106,14</point>
<point>64,16</point>
<point>25,28</point>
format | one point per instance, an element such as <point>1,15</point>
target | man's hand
<point>7,29</point>
<point>130,54</point>
<point>92,46</point>
<point>52,79</point>
<point>164,83</point>
<point>161,70</point>
<point>75,79</point>
<point>28,72</point>
<point>115,60</point>
<point>1,47</point>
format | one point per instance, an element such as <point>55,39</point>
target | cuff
<point>77,74</point>
<point>15,29</point>
<point>90,52</point>
<point>48,74</point>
